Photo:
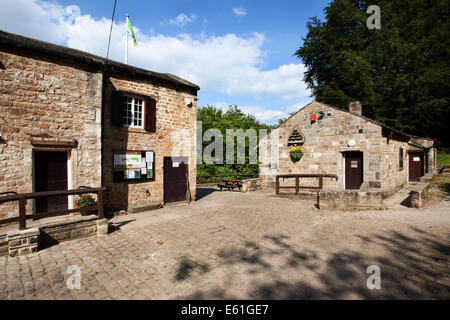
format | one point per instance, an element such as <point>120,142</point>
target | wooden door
<point>175,179</point>
<point>353,169</point>
<point>415,166</point>
<point>50,169</point>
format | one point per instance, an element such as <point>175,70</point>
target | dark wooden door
<point>415,166</point>
<point>50,170</point>
<point>353,169</point>
<point>175,179</point>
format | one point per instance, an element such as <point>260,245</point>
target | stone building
<point>369,160</point>
<point>71,119</point>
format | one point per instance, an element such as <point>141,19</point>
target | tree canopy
<point>400,72</point>
<point>233,118</point>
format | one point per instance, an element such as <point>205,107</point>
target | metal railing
<point>22,199</point>
<point>297,177</point>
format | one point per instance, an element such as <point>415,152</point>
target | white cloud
<point>182,19</point>
<point>261,114</point>
<point>229,63</point>
<point>240,11</point>
<point>264,115</point>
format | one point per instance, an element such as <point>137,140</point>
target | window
<point>133,110</point>
<point>400,160</point>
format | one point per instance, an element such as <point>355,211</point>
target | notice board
<point>133,166</point>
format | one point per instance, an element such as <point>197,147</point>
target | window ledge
<point>136,130</point>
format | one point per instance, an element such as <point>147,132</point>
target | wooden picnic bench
<point>230,184</point>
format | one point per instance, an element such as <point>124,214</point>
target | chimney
<point>355,108</point>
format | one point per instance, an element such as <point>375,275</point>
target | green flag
<point>130,28</point>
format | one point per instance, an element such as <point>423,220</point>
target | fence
<point>297,177</point>
<point>22,198</point>
<point>210,179</point>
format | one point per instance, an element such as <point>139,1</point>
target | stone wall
<point>249,185</point>
<point>392,177</point>
<point>173,117</point>
<point>325,142</point>
<point>41,95</point>
<point>4,245</point>
<point>62,231</point>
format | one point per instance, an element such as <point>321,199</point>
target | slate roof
<point>51,49</point>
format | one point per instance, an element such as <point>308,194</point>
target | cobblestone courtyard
<point>246,246</point>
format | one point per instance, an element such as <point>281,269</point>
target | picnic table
<point>230,184</point>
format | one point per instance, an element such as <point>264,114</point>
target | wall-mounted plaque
<point>53,141</point>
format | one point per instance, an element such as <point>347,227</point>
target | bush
<point>443,158</point>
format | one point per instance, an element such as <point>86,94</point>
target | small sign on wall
<point>416,159</point>
<point>354,164</point>
<point>175,164</point>
<point>127,161</point>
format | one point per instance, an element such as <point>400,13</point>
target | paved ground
<point>246,246</point>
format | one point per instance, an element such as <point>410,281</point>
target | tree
<point>400,73</point>
<point>233,118</point>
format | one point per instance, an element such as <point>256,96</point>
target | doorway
<point>415,166</point>
<point>175,179</point>
<point>50,174</point>
<point>353,169</point>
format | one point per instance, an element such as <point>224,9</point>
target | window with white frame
<point>133,112</point>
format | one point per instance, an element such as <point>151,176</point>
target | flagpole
<point>126,45</point>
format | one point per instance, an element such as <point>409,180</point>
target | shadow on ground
<point>204,192</point>
<point>412,267</point>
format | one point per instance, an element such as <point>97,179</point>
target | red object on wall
<point>313,117</point>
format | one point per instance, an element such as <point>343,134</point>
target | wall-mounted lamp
<point>321,113</point>
<point>189,102</point>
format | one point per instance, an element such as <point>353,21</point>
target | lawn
<point>443,158</point>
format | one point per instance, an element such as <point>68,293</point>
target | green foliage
<point>443,158</point>
<point>86,200</point>
<point>232,118</point>
<point>399,72</point>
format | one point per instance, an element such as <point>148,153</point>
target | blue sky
<point>239,52</point>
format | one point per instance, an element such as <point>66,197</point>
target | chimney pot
<point>355,108</point>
